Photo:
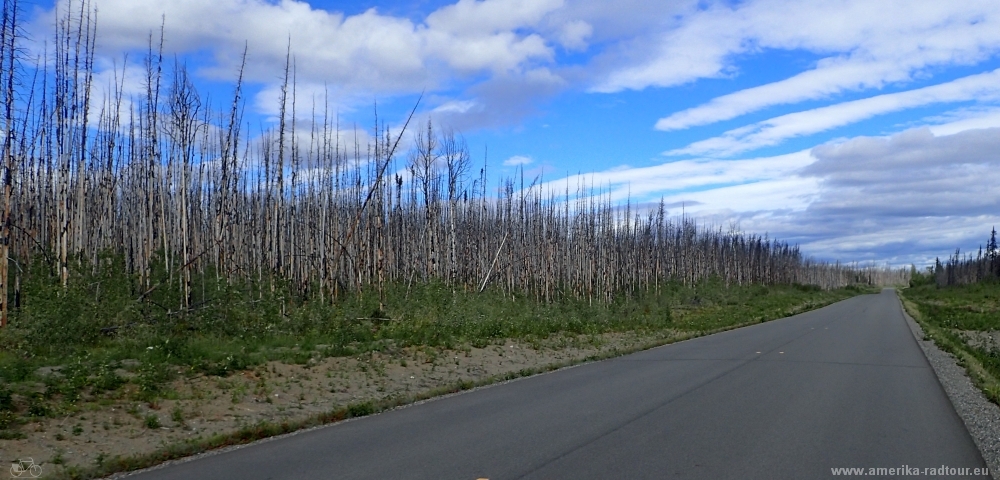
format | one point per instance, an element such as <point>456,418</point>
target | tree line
<point>166,180</point>
<point>967,268</point>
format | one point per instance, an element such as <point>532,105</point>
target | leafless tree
<point>172,180</point>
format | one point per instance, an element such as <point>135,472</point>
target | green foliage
<point>6,399</point>
<point>360,409</point>
<point>54,318</point>
<point>8,411</point>
<point>7,419</point>
<point>12,435</point>
<point>151,376</point>
<point>120,332</point>
<point>920,279</point>
<point>14,368</point>
<point>37,407</point>
<point>151,421</point>
<point>177,415</point>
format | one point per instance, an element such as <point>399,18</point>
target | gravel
<point>981,417</point>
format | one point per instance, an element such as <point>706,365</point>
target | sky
<point>861,131</point>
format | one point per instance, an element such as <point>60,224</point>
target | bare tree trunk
<point>8,54</point>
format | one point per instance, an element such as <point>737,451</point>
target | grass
<point>950,315</point>
<point>94,343</point>
<point>108,466</point>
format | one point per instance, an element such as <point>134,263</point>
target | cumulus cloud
<point>473,48</point>
<point>770,132</point>
<point>381,52</point>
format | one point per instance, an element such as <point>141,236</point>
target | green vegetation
<point>707,308</point>
<point>96,341</point>
<point>960,319</point>
<point>151,421</point>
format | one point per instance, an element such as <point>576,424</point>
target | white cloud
<point>500,52</point>
<point>964,119</point>
<point>480,47</point>
<point>517,160</point>
<point>697,49</point>
<point>767,197</point>
<point>862,45</point>
<point>471,18</point>
<point>366,54</point>
<point>484,62</point>
<point>830,77</point>
<point>775,130</point>
<point>573,35</point>
<point>717,184</point>
<point>901,198</point>
<point>455,106</point>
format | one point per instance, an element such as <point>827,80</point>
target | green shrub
<point>360,409</point>
<point>13,368</point>
<point>6,399</point>
<point>37,407</point>
<point>7,419</point>
<point>151,421</point>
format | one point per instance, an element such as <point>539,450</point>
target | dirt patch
<point>199,407</point>
<point>985,341</point>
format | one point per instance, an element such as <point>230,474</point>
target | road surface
<point>843,386</point>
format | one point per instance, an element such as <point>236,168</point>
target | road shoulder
<point>981,417</point>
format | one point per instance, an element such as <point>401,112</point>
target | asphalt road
<point>843,386</point>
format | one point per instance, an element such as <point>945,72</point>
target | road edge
<point>980,416</point>
<point>448,391</point>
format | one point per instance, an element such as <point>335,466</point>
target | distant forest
<point>172,188</point>
<point>963,269</point>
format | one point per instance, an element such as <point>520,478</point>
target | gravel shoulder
<point>981,417</point>
<point>200,407</point>
<point>841,386</point>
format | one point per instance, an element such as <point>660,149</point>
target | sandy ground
<point>202,406</point>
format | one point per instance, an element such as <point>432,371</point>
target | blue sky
<point>864,131</point>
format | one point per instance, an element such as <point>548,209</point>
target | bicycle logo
<point>25,467</point>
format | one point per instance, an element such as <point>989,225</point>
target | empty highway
<point>843,386</point>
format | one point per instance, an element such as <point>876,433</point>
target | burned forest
<point>175,190</point>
